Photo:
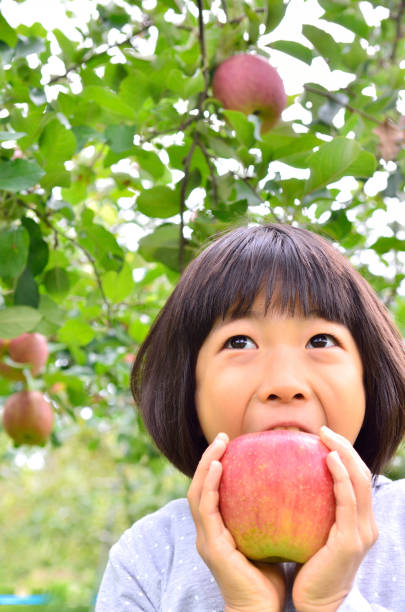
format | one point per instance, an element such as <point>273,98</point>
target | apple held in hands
<point>28,417</point>
<point>249,84</point>
<point>276,495</point>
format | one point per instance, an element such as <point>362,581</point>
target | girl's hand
<point>323,582</point>
<point>245,587</point>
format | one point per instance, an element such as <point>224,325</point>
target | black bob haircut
<point>296,269</point>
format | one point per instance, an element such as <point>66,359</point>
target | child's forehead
<point>276,301</point>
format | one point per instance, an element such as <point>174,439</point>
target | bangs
<point>294,275</point>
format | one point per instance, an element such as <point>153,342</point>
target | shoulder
<point>174,514</point>
<point>389,500</point>
<point>384,488</point>
<point>149,566</point>
<point>164,529</point>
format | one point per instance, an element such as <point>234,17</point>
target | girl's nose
<point>286,394</point>
<point>284,380</point>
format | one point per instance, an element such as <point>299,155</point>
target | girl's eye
<point>322,341</point>
<point>240,342</point>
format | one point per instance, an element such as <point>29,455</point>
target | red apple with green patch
<point>28,417</point>
<point>249,84</point>
<point>276,495</point>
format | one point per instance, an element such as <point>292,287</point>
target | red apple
<point>29,348</point>
<point>248,83</point>
<point>28,417</point>
<point>276,495</point>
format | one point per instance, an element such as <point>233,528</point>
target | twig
<point>87,253</point>
<point>178,128</point>
<point>398,29</point>
<point>335,99</point>
<point>187,161</point>
<point>183,190</point>
<point>204,63</point>
<point>201,33</point>
<point>245,179</point>
<point>91,56</point>
<point>212,173</point>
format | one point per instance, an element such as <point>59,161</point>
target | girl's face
<point>263,372</point>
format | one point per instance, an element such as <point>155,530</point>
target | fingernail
<point>221,437</point>
<point>328,431</point>
<point>336,456</point>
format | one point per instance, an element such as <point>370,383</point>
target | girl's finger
<point>209,512</point>
<point>214,452</point>
<point>346,507</point>
<point>359,482</point>
<point>359,473</point>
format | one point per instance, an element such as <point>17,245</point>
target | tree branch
<point>247,182</point>
<point>335,99</point>
<point>91,56</point>
<point>211,169</point>
<point>204,63</point>
<point>398,29</point>
<point>88,255</point>
<point>183,190</point>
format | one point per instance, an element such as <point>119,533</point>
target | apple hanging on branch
<point>249,84</point>
<point>31,349</point>
<point>276,495</point>
<point>28,418</point>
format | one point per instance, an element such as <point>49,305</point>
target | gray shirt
<point>156,567</point>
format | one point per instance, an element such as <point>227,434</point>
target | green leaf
<point>150,162</point>
<point>7,34</point>
<point>388,243</point>
<point>163,245</point>
<point>275,12</point>
<point>38,254</point>
<point>118,286</point>
<point>56,143</point>
<point>57,281</point>
<point>14,245</point>
<point>324,43</point>
<point>138,330</point>
<point>352,21</point>
<point>340,157</point>
<point>294,49</point>
<point>84,133</point>
<point>363,166</point>
<point>243,127</point>
<point>120,138</point>
<point>17,320</point>
<point>76,333</point>
<point>26,292</point>
<point>50,311</point>
<point>160,201</point>
<point>109,100</point>
<point>102,244</point>
<point>19,174</point>
<point>67,46</point>
<point>338,226</point>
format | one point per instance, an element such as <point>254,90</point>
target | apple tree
<point>117,163</point>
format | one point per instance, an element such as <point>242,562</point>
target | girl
<point>270,327</point>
